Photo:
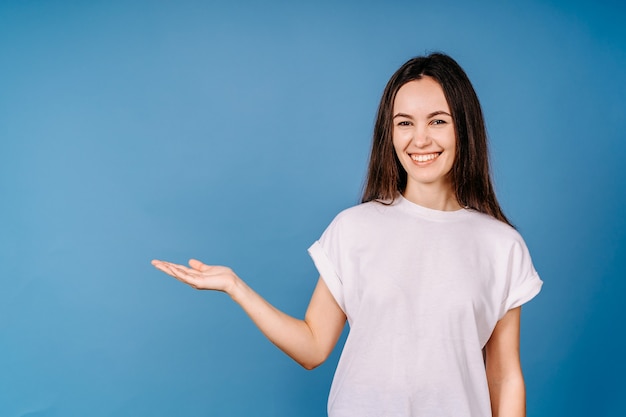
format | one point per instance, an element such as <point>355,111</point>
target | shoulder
<point>504,245</point>
<point>363,212</point>
<point>354,221</point>
<point>493,229</point>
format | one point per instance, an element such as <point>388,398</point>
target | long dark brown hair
<point>470,173</point>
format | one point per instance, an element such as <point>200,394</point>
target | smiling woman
<point>427,271</point>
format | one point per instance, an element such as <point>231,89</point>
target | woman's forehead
<point>423,95</point>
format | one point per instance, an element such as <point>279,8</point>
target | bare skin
<point>504,371</point>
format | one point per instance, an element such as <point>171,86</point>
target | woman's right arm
<point>308,341</point>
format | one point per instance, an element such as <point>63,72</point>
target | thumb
<point>197,265</point>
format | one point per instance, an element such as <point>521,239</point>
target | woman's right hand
<point>199,275</point>
<point>308,341</point>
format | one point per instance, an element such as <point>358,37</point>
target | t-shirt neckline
<point>428,213</point>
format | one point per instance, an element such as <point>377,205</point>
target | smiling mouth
<point>424,157</point>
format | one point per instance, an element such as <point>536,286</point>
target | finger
<point>180,274</point>
<point>157,262</point>
<point>173,265</point>
<point>181,270</point>
<point>198,266</point>
<point>171,268</point>
<point>168,269</point>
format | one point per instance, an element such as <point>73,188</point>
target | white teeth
<point>424,158</point>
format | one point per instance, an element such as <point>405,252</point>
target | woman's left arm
<point>504,371</point>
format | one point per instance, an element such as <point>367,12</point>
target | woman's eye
<point>438,122</point>
<point>404,123</point>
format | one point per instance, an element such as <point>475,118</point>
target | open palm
<point>199,275</point>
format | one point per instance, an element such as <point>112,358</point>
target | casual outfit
<point>422,290</point>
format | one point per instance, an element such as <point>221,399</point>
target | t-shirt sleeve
<point>326,255</point>
<point>523,281</point>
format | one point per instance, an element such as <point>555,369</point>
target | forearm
<point>291,335</point>
<point>503,368</point>
<point>508,396</point>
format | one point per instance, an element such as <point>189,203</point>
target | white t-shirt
<point>422,290</point>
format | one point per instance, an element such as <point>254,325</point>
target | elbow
<point>313,362</point>
<point>310,365</point>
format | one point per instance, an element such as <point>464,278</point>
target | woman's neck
<point>433,197</point>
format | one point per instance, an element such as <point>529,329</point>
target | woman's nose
<point>421,137</point>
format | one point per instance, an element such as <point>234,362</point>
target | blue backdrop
<point>234,132</point>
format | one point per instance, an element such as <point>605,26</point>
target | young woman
<point>427,271</point>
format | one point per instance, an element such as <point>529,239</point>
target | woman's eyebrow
<point>433,114</point>
<point>438,112</point>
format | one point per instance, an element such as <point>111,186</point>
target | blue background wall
<point>234,133</point>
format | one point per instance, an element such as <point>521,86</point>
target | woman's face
<point>424,135</point>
